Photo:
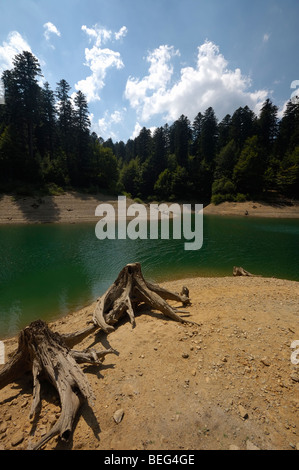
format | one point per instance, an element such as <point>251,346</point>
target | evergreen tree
<point>224,129</point>
<point>288,130</point>
<point>249,171</point>
<point>47,127</point>
<point>66,126</point>
<point>21,116</point>
<point>243,126</point>
<point>131,177</point>
<point>25,75</point>
<point>209,135</point>
<point>196,128</point>
<point>82,125</point>
<point>180,139</point>
<point>267,125</point>
<point>159,152</point>
<point>288,174</point>
<point>143,144</point>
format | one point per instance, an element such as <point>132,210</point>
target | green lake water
<point>49,270</point>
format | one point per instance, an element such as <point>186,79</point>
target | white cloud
<point>209,83</point>
<point>138,128</point>
<point>99,59</point>
<point>50,29</point>
<point>105,126</point>
<point>136,131</point>
<point>266,37</point>
<point>160,73</point>
<point>121,33</point>
<point>14,45</point>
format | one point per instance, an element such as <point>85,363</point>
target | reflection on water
<point>49,270</point>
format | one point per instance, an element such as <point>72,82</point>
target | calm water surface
<point>48,270</point>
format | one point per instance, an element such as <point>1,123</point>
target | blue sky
<point>145,63</point>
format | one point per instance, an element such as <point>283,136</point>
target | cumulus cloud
<point>266,37</point>
<point>99,59</point>
<point>14,45</point>
<point>105,126</point>
<point>138,128</point>
<point>121,33</point>
<point>160,73</point>
<point>50,28</point>
<point>209,83</point>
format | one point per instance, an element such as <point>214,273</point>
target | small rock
<point>3,428</point>
<point>185,355</point>
<point>295,376</point>
<point>17,439</point>
<point>118,415</point>
<point>251,446</point>
<point>265,361</point>
<point>243,412</point>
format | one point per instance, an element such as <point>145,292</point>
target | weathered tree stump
<point>129,291</point>
<point>239,271</point>
<point>48,356</point>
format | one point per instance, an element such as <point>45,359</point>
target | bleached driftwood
<point>48,356</point>
<point>129,291</point>
<point>239,271</point>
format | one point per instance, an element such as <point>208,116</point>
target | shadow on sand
<point>38,209</point>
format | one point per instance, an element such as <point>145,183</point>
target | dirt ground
<point>228,383</point>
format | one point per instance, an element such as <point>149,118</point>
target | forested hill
<point>46,142</point>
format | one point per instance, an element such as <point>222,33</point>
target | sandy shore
<point>75,207</point>
<point>255,209</point>
<point>228,383</point>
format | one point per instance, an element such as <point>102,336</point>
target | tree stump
<point>239,271</point>
<point>48,356</point>
<point>129,291</point>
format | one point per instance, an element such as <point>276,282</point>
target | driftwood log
<point>239,271</point>
<point>129,291</point>
<point>49,355</point>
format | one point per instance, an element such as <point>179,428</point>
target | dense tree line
<point>45,139</point>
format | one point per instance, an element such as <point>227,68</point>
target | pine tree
<point>48,121</point>
<point>209,135</point>
<point>22,94</point>
<point>65,123</point>
<point>267,125</point>
<point>196,128</point>
<point>249,171</point>
<point>243,126</point>
<point>143,144</point>
<point>180,139</point>
<point>81,127</point>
